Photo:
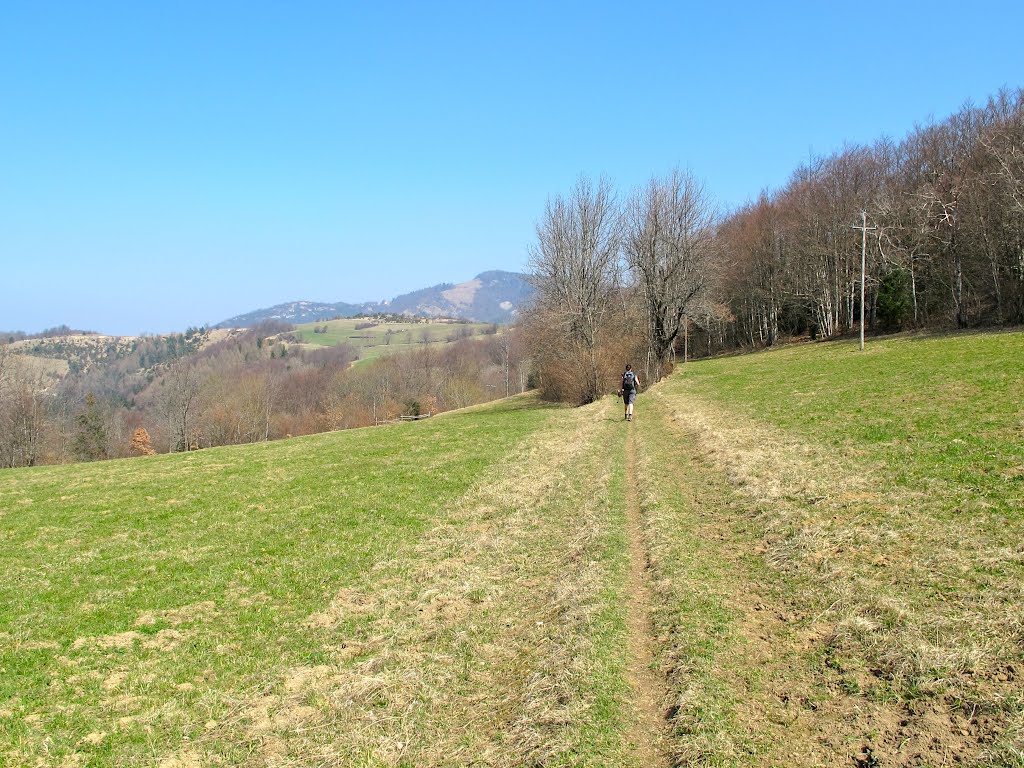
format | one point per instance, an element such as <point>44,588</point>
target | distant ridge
<point>292,312</point>
<point>490,297</point>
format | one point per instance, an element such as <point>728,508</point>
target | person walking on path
<point>630,384</point>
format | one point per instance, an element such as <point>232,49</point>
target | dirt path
<point>649,731</point>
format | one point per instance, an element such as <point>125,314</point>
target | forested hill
<point>491,297</point>
<point>295,312</point>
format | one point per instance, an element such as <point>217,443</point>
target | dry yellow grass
<point>865,638</point>
<point>477,645</point>
<point>830,512</point>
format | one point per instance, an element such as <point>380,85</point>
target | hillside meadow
<point>373,339</point>
<point>840,543</point>
<point>806,557</point>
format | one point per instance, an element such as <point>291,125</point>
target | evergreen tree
<point>90,442</point>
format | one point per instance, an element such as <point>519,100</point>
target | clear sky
<point>172,164</point>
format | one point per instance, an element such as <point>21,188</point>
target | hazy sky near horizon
<point>173,164</point>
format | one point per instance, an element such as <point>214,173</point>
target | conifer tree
<point>90,442</point>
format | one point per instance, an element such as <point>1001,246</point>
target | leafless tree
<point>575,263</point>
<point>947,150</point>
<point>669,246</point>
<point>1004,142</point>
<point>505,342</point>
<point>22,413</point>
<point>5,367</point>
<point>179,402</point>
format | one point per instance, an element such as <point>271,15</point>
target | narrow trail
<point>649,730</point>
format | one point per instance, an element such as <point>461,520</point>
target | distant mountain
<point>490,297</point>
<point>294,312</point>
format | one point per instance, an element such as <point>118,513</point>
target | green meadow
<point>384,338</point>
<point>296,600</point>
<point>930,408</point>
<point>830,540</point>
<point>840,533</point>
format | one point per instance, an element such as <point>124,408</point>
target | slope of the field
<point>806,557</point>
<point>838,543</point>
<point>436,593</point>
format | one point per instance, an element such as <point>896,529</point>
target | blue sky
<point>166,165</point>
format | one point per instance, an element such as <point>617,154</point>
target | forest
<point>662,273</point>
<point>194,390</point>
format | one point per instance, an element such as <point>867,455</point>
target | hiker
<point>630,384</point>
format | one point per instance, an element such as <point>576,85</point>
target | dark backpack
<point>628,381</point>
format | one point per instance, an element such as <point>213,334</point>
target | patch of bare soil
<point>164,640</point>
<point>187,759</point>
<point>863,664</point>
<point>186,614</point>
<point>217,335</point>
<point>461,295</point>
<point>41,367</point>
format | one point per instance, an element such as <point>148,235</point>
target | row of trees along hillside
<point>254,386</point>
<point>662,272</point>
<point>947,248</point>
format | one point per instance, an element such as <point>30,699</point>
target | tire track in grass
<point>648,731</point>
<point>496,639</point>
<point>807,560</point>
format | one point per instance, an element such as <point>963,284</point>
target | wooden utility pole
<point>863,267</point>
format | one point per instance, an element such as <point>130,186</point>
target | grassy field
<point>385,338</point>
<point>840,541</point>
<point>829,544</point>
<point>355,597</point>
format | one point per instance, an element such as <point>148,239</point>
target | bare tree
<point>22,413</point>
<point>505,358</point>
<point>1004,143</point>
<point>575,265</point>
<point>947,148</point>
<point>180,401</point>
<point>669,245</point>
<point>903,228</point>
<point>5,387</point>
